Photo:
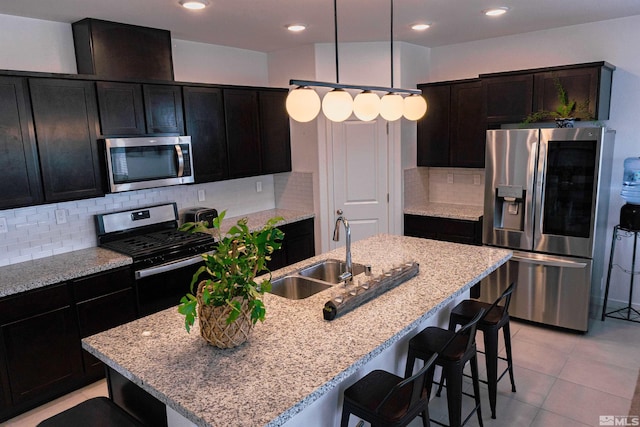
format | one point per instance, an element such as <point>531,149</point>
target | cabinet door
<point>580,85</point>
<point>66,123</point>
<point>163,109</point>
<point>243,133</point>
<point>274,132</point>
<point>204,117</point>
<point>41,346</point>
<point>299,241</point>
<point>446,229</point>
<point>121,108</point>
<point>468,125</point>
<point>433,128</point>
<point>509,99</point>
<point>21,185</point>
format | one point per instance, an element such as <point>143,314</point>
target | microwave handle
<point>180,160</point>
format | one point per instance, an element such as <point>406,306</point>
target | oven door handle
<point>163,268</point>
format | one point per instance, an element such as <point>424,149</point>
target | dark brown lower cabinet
<point>40,348</point>
<point>447,229</point>
<point>41,354</point>
<point>298,244</point>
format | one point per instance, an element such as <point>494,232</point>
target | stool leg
<point>411,359</point>
<point>476,387</point>
<point>344,422</point>
<point>491,359</point>
<point>507,344</point>
<point>452,327</point>
<point>453,372</point>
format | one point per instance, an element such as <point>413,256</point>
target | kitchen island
<point>295,364</point>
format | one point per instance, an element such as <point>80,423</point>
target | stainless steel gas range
<point>164,258</point>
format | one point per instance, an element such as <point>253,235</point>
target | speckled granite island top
<point>295,356</point>
<point>446,210</point>
<point>41,272</point>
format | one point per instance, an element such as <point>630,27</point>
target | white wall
<point>613,41</point>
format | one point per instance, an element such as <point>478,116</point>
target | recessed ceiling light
<point>194,4</point>
<point>296,27</point>
<point>496,11</point>
<point>420,27</point>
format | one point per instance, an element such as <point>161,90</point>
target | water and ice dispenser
<point>630,212</point>
<point>509,207</point>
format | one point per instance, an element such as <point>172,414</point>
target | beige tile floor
<point>562,379</point>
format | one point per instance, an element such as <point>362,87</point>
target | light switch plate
<point>259,187</point>
<point>201,196</point>
<point>3,225</point>
<point>476,179</point>
<point>61,216</point>
<point>449,178</point>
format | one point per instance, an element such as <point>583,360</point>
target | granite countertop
<point>447,210</point>
<point>41,272</point>
<point>295,356</point>
<point>257,219</point>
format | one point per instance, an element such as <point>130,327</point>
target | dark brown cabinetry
<point>452,133</point>
<point>65,115</point>
<point>204,120</point>
<point>41,351</point>
<point>128,109</point>
<point>447,229</point>
<point>243,132</point>
<point>41,355</point>
<point>103,301</point>
<point>274,131</point>
<point>511,96</point>
<point>298,244</point>
<point>21,185</point>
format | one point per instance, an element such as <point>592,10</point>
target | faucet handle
<point>339,211</point>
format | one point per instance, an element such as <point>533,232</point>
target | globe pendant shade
<point>391,106</point>
<point>303,104</point>
<point>366,106</point>
<point>415,106</point>
<point>337,105</point>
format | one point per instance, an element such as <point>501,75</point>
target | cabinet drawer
<point>31,303</point>
<point>101,284</point>
<point>105,312</point>
<point>447,229</point>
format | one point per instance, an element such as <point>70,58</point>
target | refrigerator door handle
<point>547,260</point>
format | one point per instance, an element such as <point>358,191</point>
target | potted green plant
<point>566,112</point>
<point>227,300</point>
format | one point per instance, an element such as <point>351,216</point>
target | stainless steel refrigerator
<point>547,198</point>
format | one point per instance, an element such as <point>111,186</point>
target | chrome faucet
<point>347,275</point>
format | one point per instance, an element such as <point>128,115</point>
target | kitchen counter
<point>295,357</point>
<point>257,219</point>
<point>446,210</point>
<point>41,272</point>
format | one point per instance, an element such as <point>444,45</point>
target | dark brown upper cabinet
<point>65,115</point>
<point>509,99</point>
<point>121,108</point>
<point>511,96</point>
<point>204,120</point>
<point>452,133</point>
<point>21,184</point>
<point>163,109</point>
<point>112,50</point>
<point>274,131</point>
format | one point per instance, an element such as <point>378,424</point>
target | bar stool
<point>496,317</point>
<point>385,399</point>
<point>95,412</point>
<point>455,350</point>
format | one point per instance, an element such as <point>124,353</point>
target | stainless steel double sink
<point>312,279</point>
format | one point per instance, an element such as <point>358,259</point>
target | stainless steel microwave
<point>138,163</point>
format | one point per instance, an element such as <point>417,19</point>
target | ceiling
<point>259,24</point>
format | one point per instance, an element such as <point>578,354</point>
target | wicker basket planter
<point>214,327</point>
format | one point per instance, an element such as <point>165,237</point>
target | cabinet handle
<point>180,160</point>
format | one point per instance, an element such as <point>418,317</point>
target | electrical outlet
<point>449,178</point>
<point>61,216</point>
<point>201,196</point>
<point>476,179</point>
<point>3,225</point>
<point>258,186</point>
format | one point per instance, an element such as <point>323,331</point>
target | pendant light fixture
<point>303,103</point>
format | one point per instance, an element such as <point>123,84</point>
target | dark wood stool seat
<point>96,412</point>
<point>384,399</point>
<point>455,350</point>
<point>496,317</point>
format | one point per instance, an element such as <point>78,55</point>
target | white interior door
<point>360,176</point>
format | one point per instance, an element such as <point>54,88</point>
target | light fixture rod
<point>391,41</point>
<point>335,36</point>
<point>359,87</point>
